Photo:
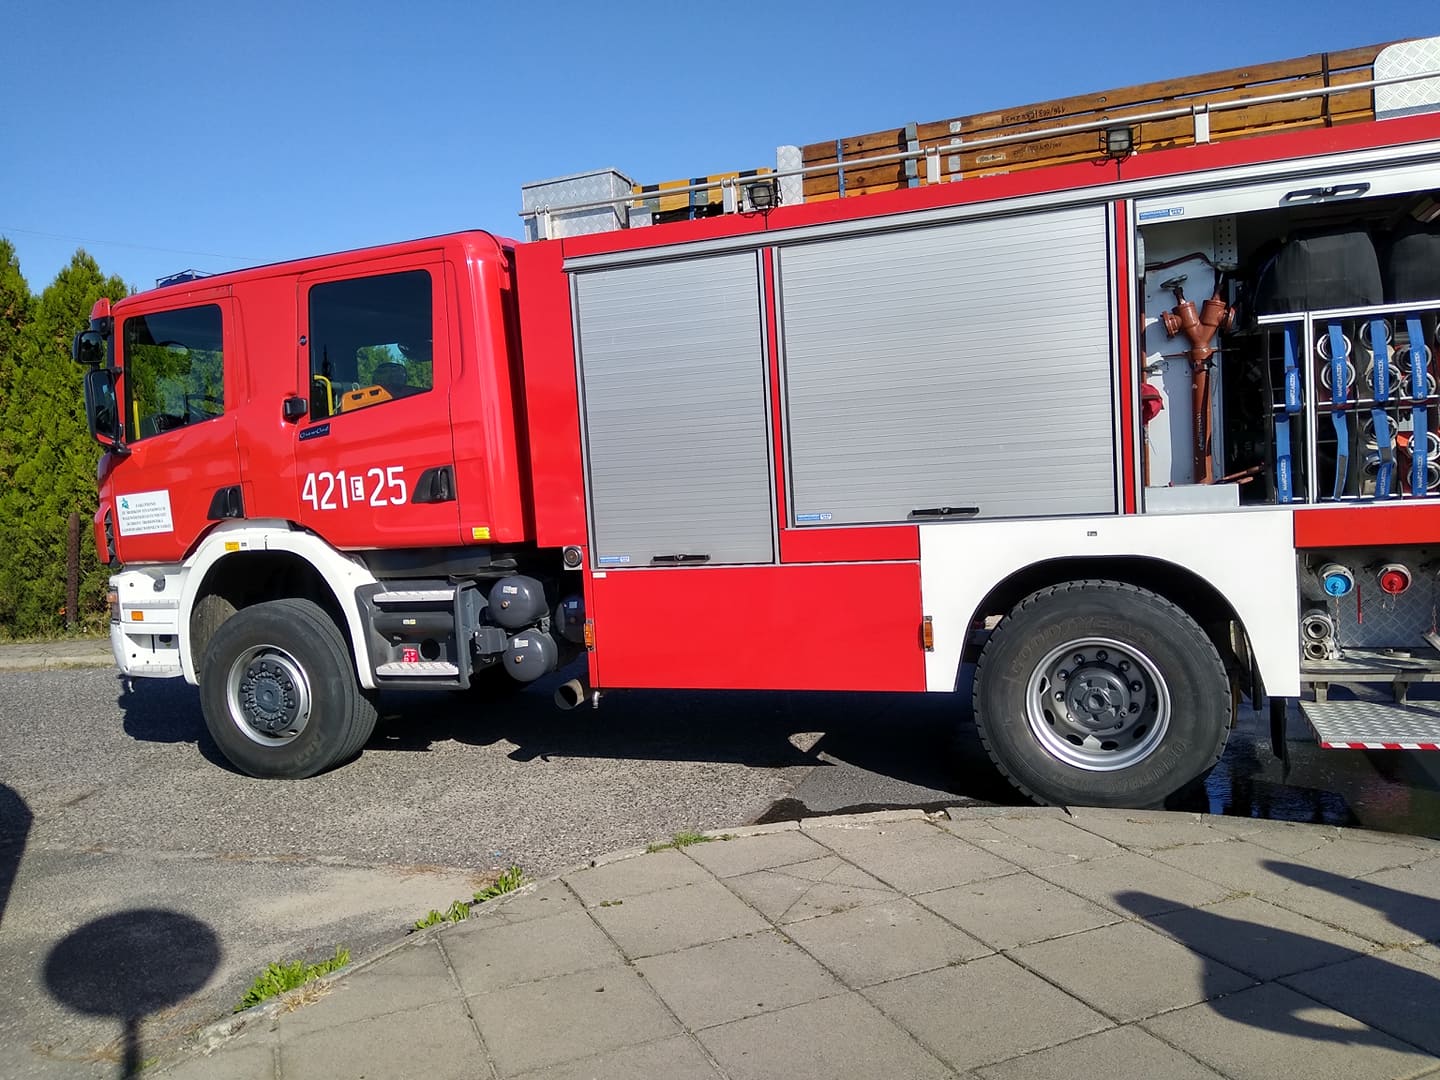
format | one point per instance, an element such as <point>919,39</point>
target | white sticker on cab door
<point>144,512</point>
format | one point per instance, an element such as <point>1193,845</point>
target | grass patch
<point>507,882</point>
<point>278,978</point>
<point>682,839</point>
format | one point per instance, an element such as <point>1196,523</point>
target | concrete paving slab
<point>539,901</point>
<point>677,1058</point>
<point>730,980</point>
<point>533,1025</point>
<point>982,834</point>
<point>1430,953</point>
<point>1148,830</point>
<point>913,856</point>
<point>437,1042</point>
<point>1164,888</point>
<point>1016,910</point>
<point>493,957</point>
<point>807,890</point>
<point>1058,835</point>
<point>1129,971</point>
<point>677,919</point>
<point>1123,1053</point>
<point>1288,837</point>
<point>728,858</point>
<point>984,1011</point>
<point>238,1061</point>
<point>1272,1031</point>
<point>1238,866</point>
<point>881,942</point>
<point>634,877</point>
<point>1359,858</point>
<point>408,979</point>
<point>1393,907</point>
<point>1259,938</point>
<point>840,1038</point>
<point>1392,991</point>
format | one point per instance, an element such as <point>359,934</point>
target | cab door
<point>180,385</point>
<point>374,455</point>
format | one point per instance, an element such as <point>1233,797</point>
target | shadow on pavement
<point>167,711</point>
<point>15,819</point>
<point>129,965</point>
<point>1371,988</point>
<point>924,741</point>
<point>1420,915</point>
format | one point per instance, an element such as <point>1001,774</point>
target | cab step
<point>416,596</point>
<point>424,669</point>
<point>1374,725</point>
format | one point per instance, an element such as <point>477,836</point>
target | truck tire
<point>1098,693</point>
<point>279,692</point>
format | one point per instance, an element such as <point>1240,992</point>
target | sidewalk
<point>999,943</point>
<point>67,653</point>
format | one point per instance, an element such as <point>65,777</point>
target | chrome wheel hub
<point>268,695</point>
<point>1097,704</point>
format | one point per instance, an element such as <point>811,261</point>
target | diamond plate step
<point>422,668</point>
<point>1374,725</point>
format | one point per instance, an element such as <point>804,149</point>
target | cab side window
<point>174,369</point>
<point>371,341</point>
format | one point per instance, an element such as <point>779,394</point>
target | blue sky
<point>162,135</point>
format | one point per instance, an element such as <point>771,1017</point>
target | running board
<point>1374,725</point>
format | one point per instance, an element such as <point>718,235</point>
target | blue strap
<point>1380,376</point>
<point>1419,442</point>
<point>1339,398</point>
<point>1284,471</point>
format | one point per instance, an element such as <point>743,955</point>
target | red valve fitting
<point>1200,328</point>
<point>1394,579</point>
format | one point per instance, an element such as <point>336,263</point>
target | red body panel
<point>778,627</point>
<point>1367,526</point>
<point>552,399</point>
<point>1124,320</point>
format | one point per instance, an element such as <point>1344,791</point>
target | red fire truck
<point>853,444</point>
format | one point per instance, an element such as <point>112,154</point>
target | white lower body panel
<point>1247,556</point>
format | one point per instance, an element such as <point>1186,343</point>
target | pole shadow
<point>129,965</point>
<point>15,819</point>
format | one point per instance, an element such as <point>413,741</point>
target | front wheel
<point>279,692</point>
<point>1097,693</point>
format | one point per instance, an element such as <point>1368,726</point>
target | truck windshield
<point>174,370</point>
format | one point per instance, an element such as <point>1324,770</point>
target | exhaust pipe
<point>570,695</point>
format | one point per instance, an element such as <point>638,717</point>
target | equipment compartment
<point>1281,360</point>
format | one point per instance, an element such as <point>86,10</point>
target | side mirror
<point>101,412</point>
<point>89,348</point>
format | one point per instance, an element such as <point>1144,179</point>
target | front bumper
<point>146,639</point>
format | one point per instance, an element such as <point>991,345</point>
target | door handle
<point>295,408</point>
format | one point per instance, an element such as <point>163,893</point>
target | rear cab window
<point>371,341</point>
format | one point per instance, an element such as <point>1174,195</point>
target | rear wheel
<point>1099,693</point>
<point>279,692</point>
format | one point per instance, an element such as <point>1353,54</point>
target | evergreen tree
<point>16,308</point>
<point>51,457</point>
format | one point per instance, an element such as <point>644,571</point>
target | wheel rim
<point>268,695</point>
<point>1098,704</point>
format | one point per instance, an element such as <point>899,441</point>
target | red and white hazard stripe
<point>1379,745</point>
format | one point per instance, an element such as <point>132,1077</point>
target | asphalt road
<point>134,859</point>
